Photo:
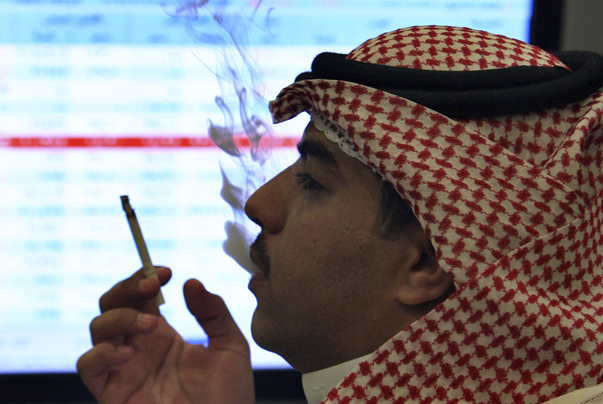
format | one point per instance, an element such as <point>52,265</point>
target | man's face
<point>330,275</point>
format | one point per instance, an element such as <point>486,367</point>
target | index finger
<point>132,292</point>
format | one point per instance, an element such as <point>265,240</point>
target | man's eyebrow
<point>310,148</point>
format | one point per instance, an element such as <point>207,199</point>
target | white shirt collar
<point>319,383</point>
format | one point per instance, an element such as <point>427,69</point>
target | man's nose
<point>268,206</point>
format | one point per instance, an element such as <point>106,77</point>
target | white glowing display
<point>102,98</point>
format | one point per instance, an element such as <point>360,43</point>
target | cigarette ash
<point>227,30</point>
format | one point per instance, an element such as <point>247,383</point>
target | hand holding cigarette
<point>147,265</point>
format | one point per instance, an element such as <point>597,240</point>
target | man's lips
<point>259,254</point>
<point>262,275</point>
<point>256,259</point>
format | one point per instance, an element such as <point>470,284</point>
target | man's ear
<point>424,279</point>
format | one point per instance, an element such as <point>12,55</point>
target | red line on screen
<point>133,142</point>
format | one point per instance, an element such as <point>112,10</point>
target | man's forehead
<point>318,139</point>
<point>313,134</point>
<point>313,145</point>
<point>317,145</point>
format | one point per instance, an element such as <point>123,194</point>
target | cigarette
<point>147,266</point>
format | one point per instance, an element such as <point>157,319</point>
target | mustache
<point>258,252</point>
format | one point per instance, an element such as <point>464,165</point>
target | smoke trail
<point>241,88</point>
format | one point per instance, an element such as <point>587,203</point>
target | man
<point>490,291</point>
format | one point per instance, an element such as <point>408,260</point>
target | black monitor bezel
<point>277,384</point>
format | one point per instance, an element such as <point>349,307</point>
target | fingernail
<point>145,319</point>
<point>144,284</point>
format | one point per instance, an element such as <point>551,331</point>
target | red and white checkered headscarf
<point>512,204</point>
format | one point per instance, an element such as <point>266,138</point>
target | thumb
<point>215,319</point>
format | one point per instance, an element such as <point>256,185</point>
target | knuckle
<point>104,302</point>
<point>83,362</point>
<point>95,326</point>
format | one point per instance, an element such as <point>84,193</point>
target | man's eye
<point>307,182</point>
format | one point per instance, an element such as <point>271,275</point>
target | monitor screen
<point>103,98</point>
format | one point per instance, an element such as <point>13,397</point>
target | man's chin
<point>267,332</point>
<point>263,331</point>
